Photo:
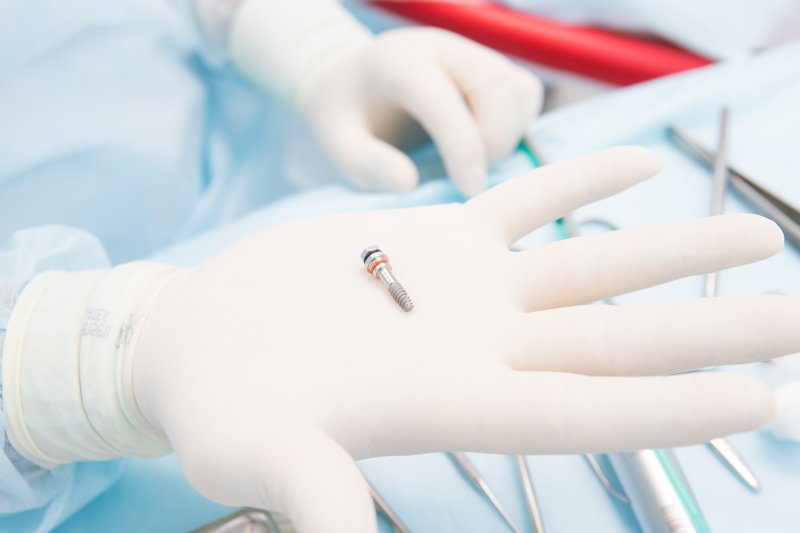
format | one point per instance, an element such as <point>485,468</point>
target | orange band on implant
<point>375,265</point>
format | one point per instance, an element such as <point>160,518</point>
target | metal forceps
<point>723,174</point>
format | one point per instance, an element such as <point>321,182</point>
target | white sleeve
<point>31,251</point>
<point>281,45</point>
<point>31,497</point>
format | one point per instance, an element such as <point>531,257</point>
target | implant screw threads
<point>378,265</point>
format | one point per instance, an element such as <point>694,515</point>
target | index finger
<point>522,204</point>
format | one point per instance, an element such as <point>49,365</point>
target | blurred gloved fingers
<point>522,204</point>
<point>654,339</point>
<point>289,467</point>
<point>503,97</point>
<point>547,412</point>
<point>364,160</point>
<point>587,269</point>
<point>431,98</point>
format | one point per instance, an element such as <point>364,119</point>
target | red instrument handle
<point>613,57</point>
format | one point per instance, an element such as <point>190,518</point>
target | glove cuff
<point>67,366</point>
<point>286,46</point>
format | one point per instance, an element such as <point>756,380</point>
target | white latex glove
<point>365,96</point>
<point>473,102</point>
<point>273,366</point>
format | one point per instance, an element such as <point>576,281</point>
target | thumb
<point>316,484</point>
<point>366,161</point>
<point>295,469</point>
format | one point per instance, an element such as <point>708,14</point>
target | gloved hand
<point>473,102</point>
<point>364,97</point>
<point>274,365</point>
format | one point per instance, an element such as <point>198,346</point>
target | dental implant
<point>378,265</point>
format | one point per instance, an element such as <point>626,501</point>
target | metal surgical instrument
<point>530,494</point>
<point>660,495</point>
<point>387,511</point>
<point>601,475</point>
<point>783,213</point>
<point>721,447</point>
<point>719,188</point>
<point>469,470</point>
<point>734,461</point>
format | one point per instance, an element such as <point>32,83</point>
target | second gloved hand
<point>273,366</point>
<point>365,97</point>
<point>473,102</point>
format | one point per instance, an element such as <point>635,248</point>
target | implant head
<point>369,250</point>
<point>374,259</point>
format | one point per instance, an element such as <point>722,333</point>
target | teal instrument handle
<point>683,491</point>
